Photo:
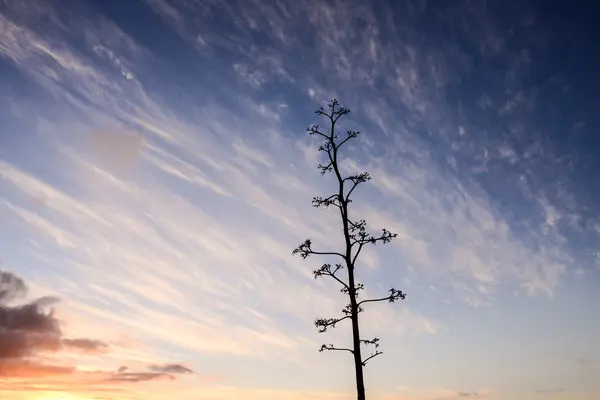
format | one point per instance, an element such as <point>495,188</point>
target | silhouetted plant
<point>356,236</point>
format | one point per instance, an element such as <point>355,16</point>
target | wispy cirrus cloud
<point>169,202</point>
<point>417,88</point>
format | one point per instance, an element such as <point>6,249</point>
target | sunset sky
<point>155,176</point>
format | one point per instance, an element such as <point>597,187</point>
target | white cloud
<point>62,237</point>
<point>254,79</point>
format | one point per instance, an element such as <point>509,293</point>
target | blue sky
<point>156,174</point>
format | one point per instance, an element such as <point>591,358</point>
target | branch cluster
<point>330,347</point>
<point>375,343</point>
<point>394,296</point>
<point>333,200</point>
<point>357,289</point>
<point>334,114</point>
<point>305,250</point>
<point>323,324</point>
<point>355,180</point>
<point>331,145</point>
<point>327,270</point>
<point>360,236</point>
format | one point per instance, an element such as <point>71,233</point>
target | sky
<point>155,176</point>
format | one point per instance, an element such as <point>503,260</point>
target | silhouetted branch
<point>348,310</point>
<point>351,135</point>
<point>374,341</point>
<point>360,246</point>
<point>359,236</point>
<point>335,115</point>
<point>385,237</point>
<point>321,111</point>
<point>359,226</point>
<point>314,130</point>
<point>333,200</point>
<point>326,270</point>
<point>330,347</point>
<point>322,324</point>
<point>328,147</point>
<point>373,355</point>
<point>394,296</point>
<point>356,180</point>
<point>324,168</point>
<point>357,288</point>
<point>305,250</point>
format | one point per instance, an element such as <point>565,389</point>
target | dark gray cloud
<point>171,369</point>
<point>139,376</point>
<point>31,328</point>
<point>584,361</point>
<point>166,371</point>
<point>11,287</point>
<point>550,391</point>
<point>88,345</point>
